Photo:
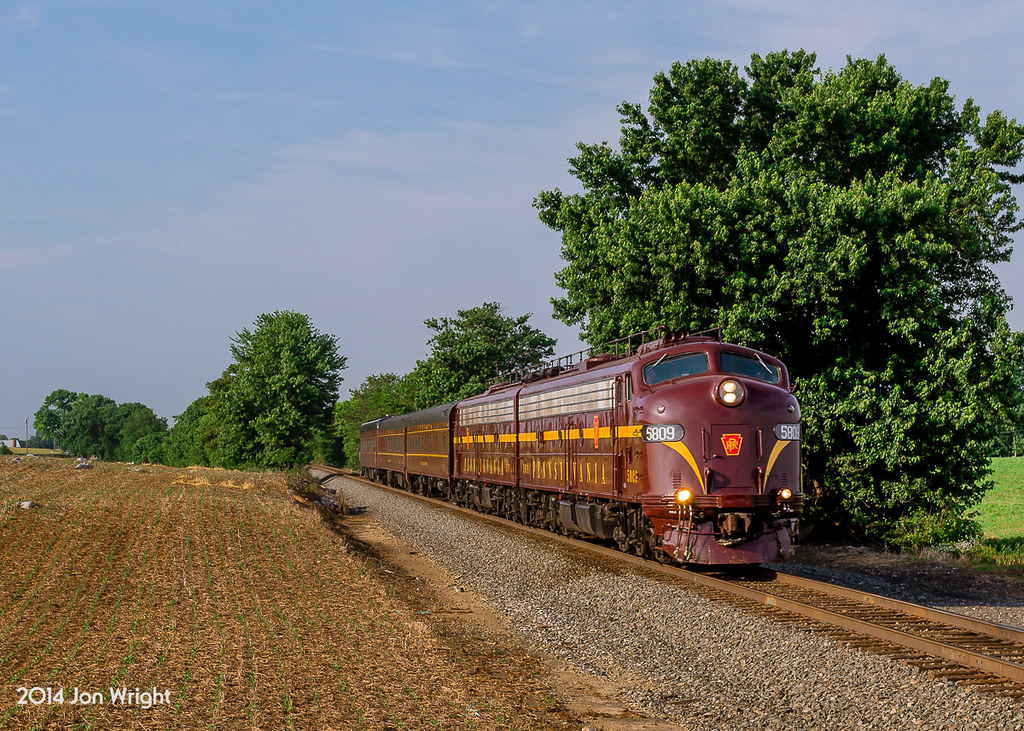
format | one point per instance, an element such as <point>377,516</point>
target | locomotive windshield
<point>744,365</point>
<point>665,369</point>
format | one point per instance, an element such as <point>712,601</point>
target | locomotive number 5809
<point>787,432</point>
<point>662,432</point>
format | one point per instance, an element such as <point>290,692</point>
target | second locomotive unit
<point>684,449</point>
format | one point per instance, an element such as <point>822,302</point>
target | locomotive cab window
<point>750,367</point>
<point>665,369</point>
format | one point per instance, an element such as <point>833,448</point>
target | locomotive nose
<point>734,456</point>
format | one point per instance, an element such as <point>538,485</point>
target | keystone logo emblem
<point>732,444</point>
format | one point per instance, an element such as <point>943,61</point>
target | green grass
<point>1001,516</point>
<point>1001,512</point>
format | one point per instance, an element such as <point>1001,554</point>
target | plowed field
<point>239,606</point>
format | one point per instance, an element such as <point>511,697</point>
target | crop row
<point>218,589</point>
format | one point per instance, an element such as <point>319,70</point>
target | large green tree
<point>278,398</point>
<point>138,421</point>
<point>475,346</point>
<point>92,427</point>
<point>151,448</point>
<point>848,221</point>
<point>49,421</point>
<point>190,441</point>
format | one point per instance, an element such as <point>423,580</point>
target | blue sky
<point>169,171</point>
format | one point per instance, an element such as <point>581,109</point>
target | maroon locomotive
<point>684,449</point>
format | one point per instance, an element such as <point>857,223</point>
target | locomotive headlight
<point>730,392</point>
<point>785,493</point>
<point>683,496</point>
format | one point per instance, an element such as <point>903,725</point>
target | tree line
<point>95,425</point>
<point>270,408</point>
<point>276,405</point>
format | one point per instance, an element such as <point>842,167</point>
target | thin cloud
<point>31,259</point>
<point>420,55</point>
<point>417,38</point>
<point>363,148</point>
<point>26,17</point>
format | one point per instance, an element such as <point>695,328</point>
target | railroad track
<point>982,655</point>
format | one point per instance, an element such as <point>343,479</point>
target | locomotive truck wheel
<point>646,542</point>
<point>621,539</point>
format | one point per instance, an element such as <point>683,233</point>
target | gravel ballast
<point>680,656</point>
<point>931,589</point>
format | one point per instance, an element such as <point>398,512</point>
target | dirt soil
<point>225,600</point>
<point>460,615</point>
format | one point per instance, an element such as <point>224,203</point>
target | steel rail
<point>941,616</point>
<point>1008,669</point>
<point>990,664</point>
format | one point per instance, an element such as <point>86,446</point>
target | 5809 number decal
<point>662,432</point>
<point>787,432</point>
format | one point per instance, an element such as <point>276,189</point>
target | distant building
<point>15,443</point>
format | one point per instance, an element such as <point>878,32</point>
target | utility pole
<point>26,435</point>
